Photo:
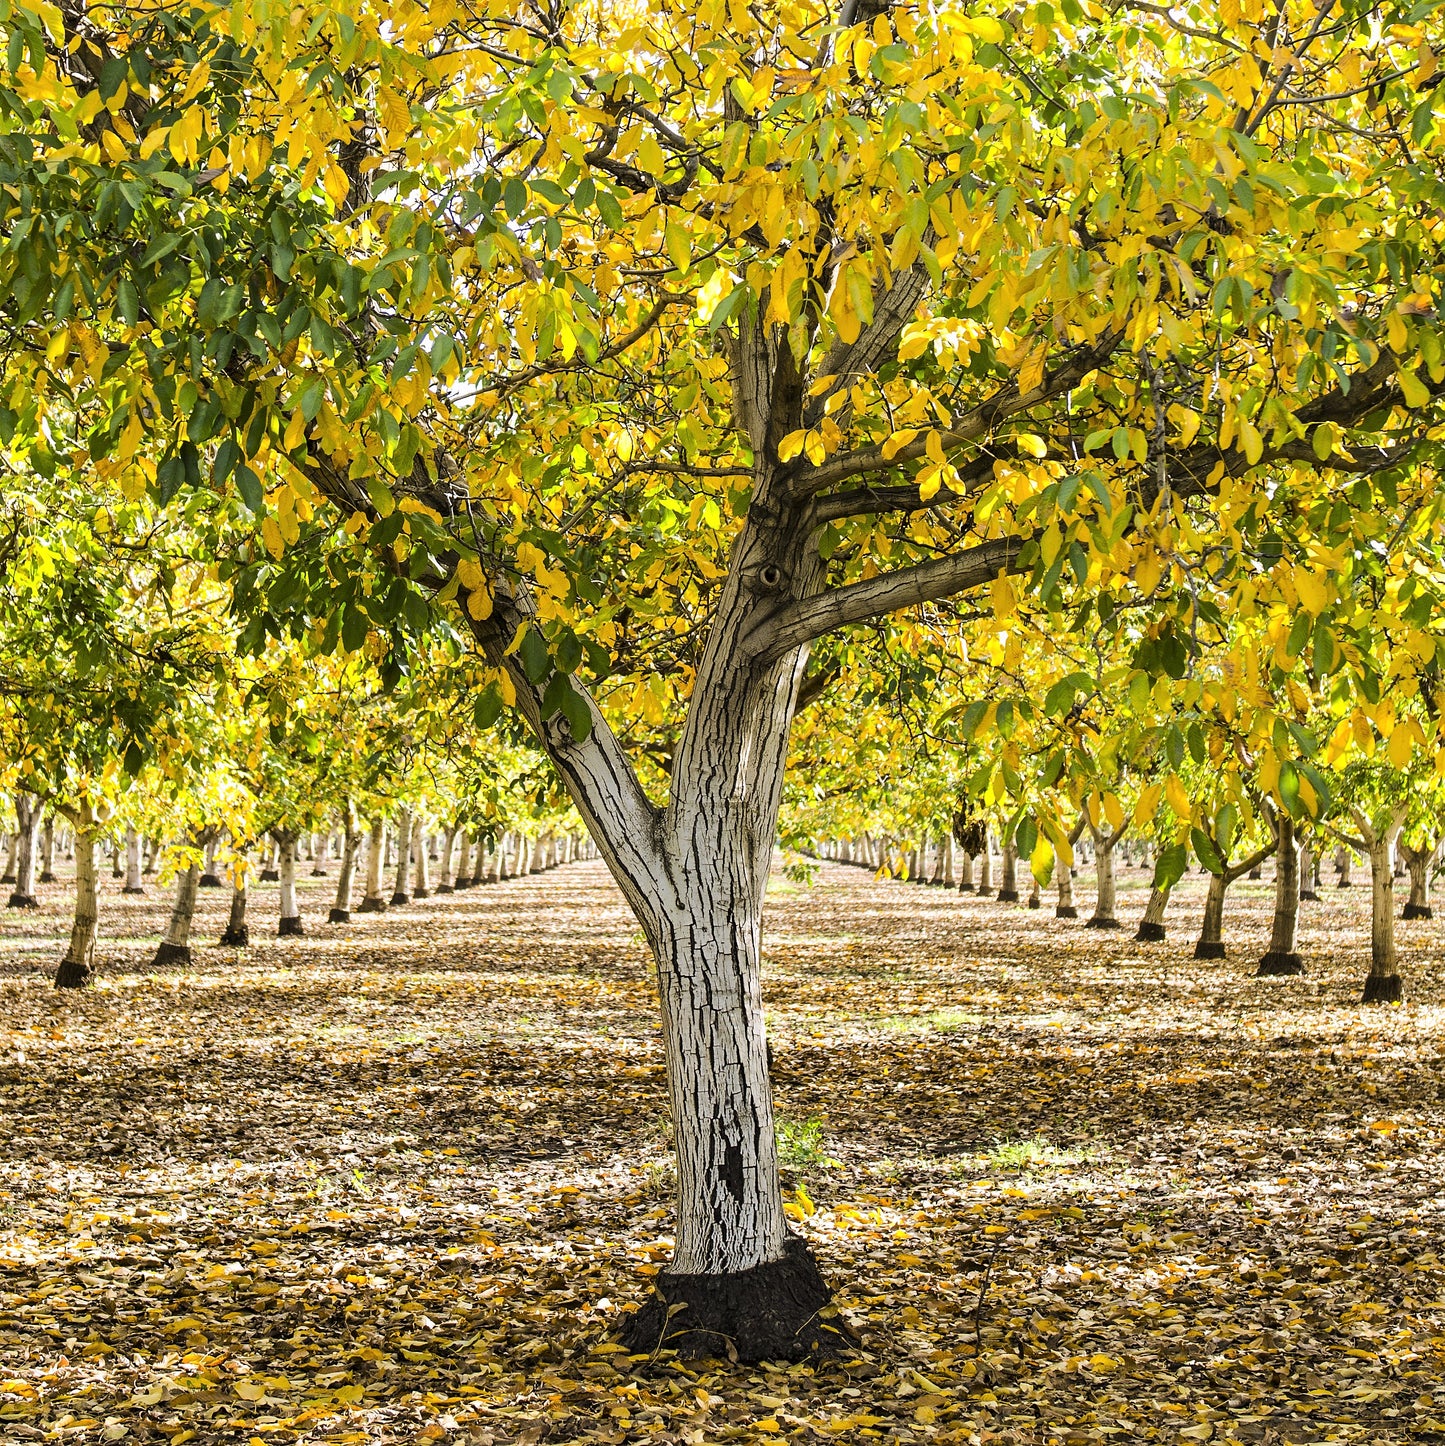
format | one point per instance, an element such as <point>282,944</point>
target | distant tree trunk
<point>466,870</point>
<point>47,850</point>
<point>372,901</point>
<point>1383,984</point>
<point>1105,898</point>
<point>210,879</point>
<point>27,815</point>
<point>1065,908</point>
<point>403,857</point>
<point>1282,956</point>
<point>1009,884</point>
<point>77,968</point>
<point>421,886</point>
<point>1151,926</point>
<point>175,946</point>
<point>350,842</point>
<point>1418,861</point>
<point>985,870</point>
<point>445,885</point>
<point>1308,864</point>
<point>965,871</point>
<point>133,863</point>
<point>290,924</point>
<point>1343,862</point>
<point>1211,932</point>
<point>12,844</point>
<point>318,853</point>
<point>238,933</point>
<point>1035,901</point>
<point>112,847</point>
<point>153,855</point>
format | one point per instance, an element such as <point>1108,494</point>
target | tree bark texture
<point>445,884</point>
<point>47,850</point>
<point>1282,956</point>
<point>27,816</point>
<point>350,842</point>
<point>399,894</point>
<point>372,901</point>
<point>1106,894</point>
<point>1417,862</point>
<point>210,879</point>
<point>238,932</point>
<point>133,863</point>
<point>1308,865</point>
<point>421,884</point>
<point>1151,926</point>
<point>290,923</point>
<point>1383,985</point>
<point>1008,892</point>
<point>175,945</point>
<point>1211,932</point>
<point>77,968</point>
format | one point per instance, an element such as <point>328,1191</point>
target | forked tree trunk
<point>1008,892</point>
<point>1382,986</point>
<point>1308,864</point>
<point>1106,889</point>
<point>1282,956</point>
<point>372,901</point>
<point>350,842</point>
<point>421,885</point>
<point>77,968</point>
<point>27,815</point>
<point>290,923</point>
<point>1211,931</point>
<point>175,946</point>
<point>238,932</point>
<point>445,884</point>
<point>399,894</point>
<point>47,850</point>
<point>1151,926</point>
<point>1418,861</point>
<point>133,863</point>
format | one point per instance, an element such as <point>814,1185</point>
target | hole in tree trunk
<point>769,1313</point>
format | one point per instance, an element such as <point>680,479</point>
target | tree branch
<point>799,622</point>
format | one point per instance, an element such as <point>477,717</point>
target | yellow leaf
<point>650,157</point>
<point>1178,798</point>
<point>1114,811</point>
<point>1401,746</point>
<point>1148,802</point>
<point>1031,445</point>
<point>791,445</point>
<point>479,602</point>
<point>934,447</point>
<point>271,536</point>
<point>336,184</point>
<point>1251,441</point>
<point>1415,392</point>
<point>1031,373</point>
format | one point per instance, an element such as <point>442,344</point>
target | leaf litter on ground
<point>398,1181</point>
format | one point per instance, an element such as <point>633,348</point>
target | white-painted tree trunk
<point>350,842</point>
<point>77,968</point>
<point>175,946</point>
<point>27,816</point>
<point>399,894</point>
<point>290,922</point>
<point>445,882</point>
<point>421,886</point>
<point>133,863</point>
<point>467,871</point>
<point>1008,892</point>
<point>372,901</point>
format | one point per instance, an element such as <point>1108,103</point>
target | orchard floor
<point>397,1181</point>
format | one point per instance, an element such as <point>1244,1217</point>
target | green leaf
<point>1169,866</point>
<point>536,660</point>
<point>1205,851</point>
<point>576,711</point>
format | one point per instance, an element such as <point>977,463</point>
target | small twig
<point>983,1288</point>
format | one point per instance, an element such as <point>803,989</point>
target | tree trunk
<point>372,901</point>
<point>318,854</point>
<point>985,871</point>
<point>290,924</point>
<point>1282,956</point>
<point>153,855</point>
<point>27,815</point>
<point>449,838</point>
<point>1383,984</point>
<point>1343,862</point>
<point>466,871</point>
<point>965,871</point>
<point>1106,890</point>
<point>403,857</point>
<point>1418,862</point>
<point>1065,908</point>
<point>1308,865</point>
<point>47,850</point>
<point>175,947</point>
<point>1151,926</point>
<point>238,933</point>
<point>77,968</point>
<point>210,879</point>
<point>1211,932</point>
<point>133,863</point>
<point>421,886</point>
<point>350,842</point>
<point>270,867</point>
<point>12,843</point>
<point>1035,898</point>
<point>1009,883</point>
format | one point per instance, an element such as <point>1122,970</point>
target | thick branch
<point>800,622</point>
